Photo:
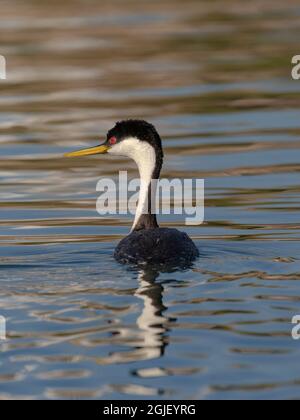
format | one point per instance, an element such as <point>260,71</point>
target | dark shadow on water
<point>163,268</point>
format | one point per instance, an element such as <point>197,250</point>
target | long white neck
<point>145,157</point>
<point>146,164</point>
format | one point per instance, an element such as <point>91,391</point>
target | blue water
<point>218,89</point>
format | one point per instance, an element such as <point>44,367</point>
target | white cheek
<point>119,150</point>
<point>140,151</point>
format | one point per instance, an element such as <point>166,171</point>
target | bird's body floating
<point>147,243</point>
<point>158,246</point>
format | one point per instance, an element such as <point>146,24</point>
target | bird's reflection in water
<point>152,322</point>
<point>150,338</point>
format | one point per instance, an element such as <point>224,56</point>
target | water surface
<point>216,83</point>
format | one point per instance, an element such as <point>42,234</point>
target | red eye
<point>112,141</point>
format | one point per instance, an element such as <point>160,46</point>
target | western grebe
<point>147,243</point>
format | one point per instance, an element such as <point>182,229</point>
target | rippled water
<point>216,83</point>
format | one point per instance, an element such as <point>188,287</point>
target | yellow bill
<point>98,150</point>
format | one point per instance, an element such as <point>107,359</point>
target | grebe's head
<point>136,139</point>
<point>130,136</point>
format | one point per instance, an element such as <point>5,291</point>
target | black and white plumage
<point>147,243</point>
